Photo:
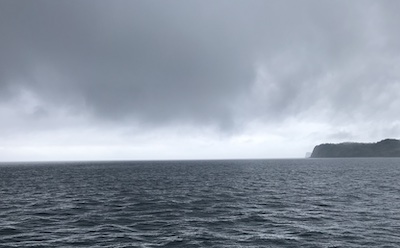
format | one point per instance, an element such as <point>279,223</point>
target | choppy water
<point>243,203</point>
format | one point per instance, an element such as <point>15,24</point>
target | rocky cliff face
<point>384,148</point>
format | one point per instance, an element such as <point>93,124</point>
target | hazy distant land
<point>384,148</point>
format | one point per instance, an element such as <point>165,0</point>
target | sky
<point>195,79</point>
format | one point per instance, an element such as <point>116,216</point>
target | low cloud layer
<point>320,69</point>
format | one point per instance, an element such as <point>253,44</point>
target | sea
<point>351,202</point>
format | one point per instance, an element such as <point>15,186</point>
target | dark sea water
<point>239,203</point>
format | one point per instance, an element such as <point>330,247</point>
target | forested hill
<point>384,148</point>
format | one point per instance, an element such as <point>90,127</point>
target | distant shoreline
<point>384,148</point>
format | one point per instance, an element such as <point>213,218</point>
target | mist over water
<point>237,203</point>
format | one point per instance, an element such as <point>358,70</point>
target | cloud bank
<point>290,72</point>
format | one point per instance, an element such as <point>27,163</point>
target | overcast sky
<point>190,79</point>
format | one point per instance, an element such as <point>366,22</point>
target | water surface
<point>237,203</point>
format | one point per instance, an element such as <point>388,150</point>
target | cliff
<point>384,148</point>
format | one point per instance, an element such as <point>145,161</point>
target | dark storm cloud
<point>205,62</point>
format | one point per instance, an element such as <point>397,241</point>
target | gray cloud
<point>220,63</point>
